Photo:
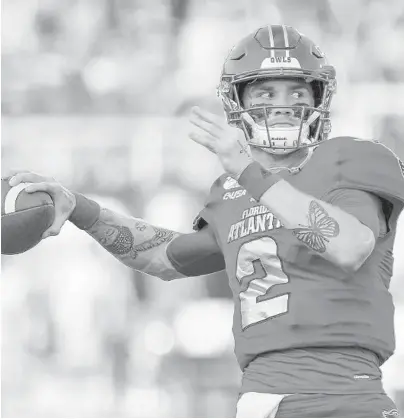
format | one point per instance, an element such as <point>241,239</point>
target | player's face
<point>278,92</point>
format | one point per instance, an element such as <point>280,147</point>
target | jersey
<point>288,297</point>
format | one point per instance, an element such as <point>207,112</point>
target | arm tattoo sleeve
<point>132,241</point>
<point>119,240</point>
<point>321,227</point>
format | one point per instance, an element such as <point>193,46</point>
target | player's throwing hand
<point>229,143</point>
<point>64,200</point>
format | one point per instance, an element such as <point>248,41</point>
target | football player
<point>304,226</point>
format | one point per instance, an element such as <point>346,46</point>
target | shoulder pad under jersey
<point>369,166</point>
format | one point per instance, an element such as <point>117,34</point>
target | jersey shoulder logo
<point>230,183</point>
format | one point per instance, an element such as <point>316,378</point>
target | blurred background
<point>96,93</point>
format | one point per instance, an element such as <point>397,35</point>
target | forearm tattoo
<point>120,239</point>
<point>321,227</point>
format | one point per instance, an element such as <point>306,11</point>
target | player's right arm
<point>154,250</point>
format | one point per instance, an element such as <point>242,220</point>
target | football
<point>24,217</point>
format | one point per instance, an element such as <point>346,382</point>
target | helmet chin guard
<point>281,140</point>
<point>278,52</point>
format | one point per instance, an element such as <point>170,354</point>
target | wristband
<point>86,212</point>
<point>257,180</point>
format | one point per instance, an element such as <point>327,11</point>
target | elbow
<point>351,265</point>
<point>359,251</point>
<point>166,274</point>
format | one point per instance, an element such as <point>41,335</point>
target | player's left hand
<point>228,142</point>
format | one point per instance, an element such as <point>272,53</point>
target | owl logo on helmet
<point>271,52</point>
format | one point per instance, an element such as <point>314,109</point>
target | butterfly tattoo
<point>321,227</point>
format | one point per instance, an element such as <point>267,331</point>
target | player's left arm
<point>343,230</point>
<point>331,231</point>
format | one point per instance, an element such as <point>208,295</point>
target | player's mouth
<point>281,124</point>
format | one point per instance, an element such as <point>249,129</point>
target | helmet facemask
<point>312,122</point>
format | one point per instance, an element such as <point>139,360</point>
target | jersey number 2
<point>258,270</point>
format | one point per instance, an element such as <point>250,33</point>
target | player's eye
<point>266,95</point>
<point>297,94</point>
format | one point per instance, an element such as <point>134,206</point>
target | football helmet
<point>278,51</point>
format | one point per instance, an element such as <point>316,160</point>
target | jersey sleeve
<point>364,206</point>
<point>372,167</point>
<point>196,254</point>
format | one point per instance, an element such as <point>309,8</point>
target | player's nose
<point>286,111</point>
